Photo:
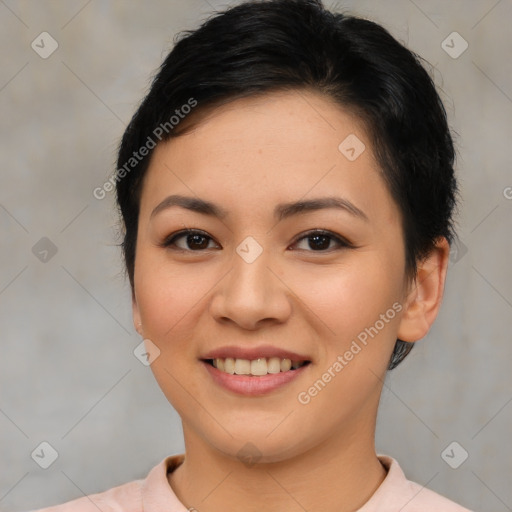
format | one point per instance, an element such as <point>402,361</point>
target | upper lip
<point>253,353</point>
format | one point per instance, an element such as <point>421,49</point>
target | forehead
<point>263,149</point>
<point>274,120</point>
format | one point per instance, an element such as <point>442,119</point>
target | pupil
<point>319,246</point>
<point>195,239</point>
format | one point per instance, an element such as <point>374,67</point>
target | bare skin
<point>197,295</point>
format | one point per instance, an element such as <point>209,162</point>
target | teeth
<point>229,364</point>
<point>273,365</point>
<point>256,367</point>
<point>242,366</point>
<point>259,367</point>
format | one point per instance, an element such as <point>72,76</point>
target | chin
<point>261,447</point>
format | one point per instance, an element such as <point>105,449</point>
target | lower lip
<point>253,386</point>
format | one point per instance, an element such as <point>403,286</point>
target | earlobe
<point>426,294</point>
<point>137,324</point>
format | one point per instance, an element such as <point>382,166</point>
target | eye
<point>319,240</point>
<point>194,240</point>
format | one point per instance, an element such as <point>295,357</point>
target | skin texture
<point>246,157</point>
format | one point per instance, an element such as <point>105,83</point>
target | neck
<point>339,475</point>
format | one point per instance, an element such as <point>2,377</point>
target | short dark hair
<point>276,45</point>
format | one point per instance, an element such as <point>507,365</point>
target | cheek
<point>169,298</point>
<point>349,297</point>
<point>356,341</point>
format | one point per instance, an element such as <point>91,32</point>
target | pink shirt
<point>154,494</point>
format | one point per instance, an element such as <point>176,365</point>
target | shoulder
<point>128,496</point>
<point>398,493</point>
<point>422,499</point>
<point>136,496</point>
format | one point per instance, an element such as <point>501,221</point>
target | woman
<point>286,191</point>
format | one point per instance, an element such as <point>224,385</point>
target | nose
<point>252,294</point>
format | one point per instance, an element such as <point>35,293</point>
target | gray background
<point>68,375</point>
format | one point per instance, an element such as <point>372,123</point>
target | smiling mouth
<point>256,367</point>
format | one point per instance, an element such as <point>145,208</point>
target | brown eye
<point>194,240</point>
<point>320,241</point>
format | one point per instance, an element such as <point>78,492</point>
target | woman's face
<point>262,276</point>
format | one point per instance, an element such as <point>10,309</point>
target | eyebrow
<point>281,211</point>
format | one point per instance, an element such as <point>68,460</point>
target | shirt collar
<point>158,495</point>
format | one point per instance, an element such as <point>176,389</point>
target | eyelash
<point>343,243</point>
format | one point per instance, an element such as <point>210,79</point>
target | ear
<point>425,294</point>
<point>136,315</point>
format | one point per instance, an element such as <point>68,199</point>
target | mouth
<point>256,367</point>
